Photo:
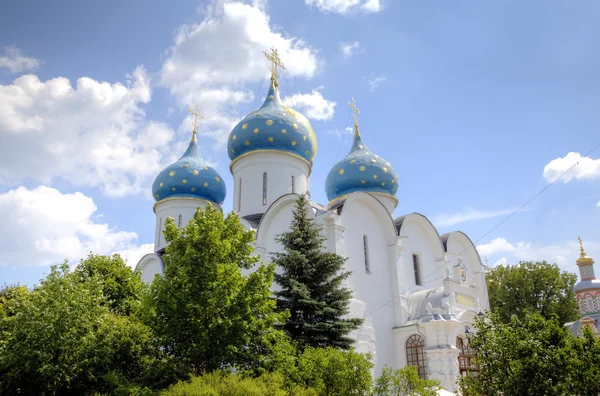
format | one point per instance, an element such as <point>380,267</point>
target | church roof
<point>189,177</point>
<point>273,127</point>
<point>361,170</point>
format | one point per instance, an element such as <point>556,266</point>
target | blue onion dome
<point>189,177</point>
<point>273,127</point>
<point>361,170</point>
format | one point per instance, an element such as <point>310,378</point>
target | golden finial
<point>355,111</point>
<point>583,259</point>
<point>274,63</point>
<point>195,113</point>
<point>581,247</point>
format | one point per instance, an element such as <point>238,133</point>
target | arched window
<point>366,251</point>
<point>417,269</point>
<point>264,195</point>
<point>293,187</point>
<point>465,358</point>
<point>415,354</point>
<point>179,221</point>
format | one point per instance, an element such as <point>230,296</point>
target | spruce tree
<point>311,285</point>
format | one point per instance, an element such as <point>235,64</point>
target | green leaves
<point>404,382</point>
<point>205,312</point>
<point>310,284</point>
<point>532,287</point>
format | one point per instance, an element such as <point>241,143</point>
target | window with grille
<point>264,195</point>
<point>415,354</point>
<point>417,269</point>
<point>466,364</point>
<point>366,251</point>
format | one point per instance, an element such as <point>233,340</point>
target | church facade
<point>418,292</point>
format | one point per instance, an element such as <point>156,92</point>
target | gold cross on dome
<point>196,114</point>
<point>355,110</point>
<point>581,246</point>
<point>274,63</point>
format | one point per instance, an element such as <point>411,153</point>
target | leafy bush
<point>223,384</point>
<point>404,382</point>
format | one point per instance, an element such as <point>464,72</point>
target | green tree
<point>404,382</point>
<point>529,356</point>
<point>532,287</point>
<point>61,338</point>
<point>586,363</point>
<point>10,292</point>
<point>331,371</point>
<point>121,286</point>
<point>205,312</point>
<point>311,285</point>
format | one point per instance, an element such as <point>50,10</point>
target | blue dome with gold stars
<point>189,177</point>
<point>361,170</point>
<point>273,127</point>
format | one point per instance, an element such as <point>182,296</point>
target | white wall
<point>150,265</point>
<point>279,168</point>
<point>421,238</point>
<point>174,207</point>
<point>372,293</point>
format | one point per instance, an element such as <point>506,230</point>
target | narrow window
<point>366,251</point>
<point>417,270</point>
<point>264,188</point>
<point>293,189</point>
<point>240,195</point>
<point>180,221</point>
<point>415,354</point>
<point>158,232</point>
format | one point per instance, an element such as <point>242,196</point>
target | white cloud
<point>312,105</point>
<point>15,62</point>
<point>348,131</point>
<point>132,256</point>
<point>43,226</point>
<point>587,168</point>
<point>598,204</point>
<point>350,49</point>
<point>375,82</point>
<point>563,254</point>
<point>345,6</point>
<point>497,245</point>
<point>90,134</point>
<point>502,261</point>
<point>210,62</point>
<point>450,219</point>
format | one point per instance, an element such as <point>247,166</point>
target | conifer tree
<point>311,285</point>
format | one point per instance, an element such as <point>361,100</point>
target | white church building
<point>417,291</point>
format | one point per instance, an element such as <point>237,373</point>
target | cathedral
<point>418,292</point>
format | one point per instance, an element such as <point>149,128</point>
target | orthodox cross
<point>581,246</point>
<point>195,113</point>
<point>274,63</point>
<point>355,110</point>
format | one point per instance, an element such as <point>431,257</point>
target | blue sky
<point>477,105</point>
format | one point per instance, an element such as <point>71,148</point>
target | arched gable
<point>276,220</point>
<point>458,243</point>
<point>426,226</point>
<point>376,207</point>
<point>150,265</point>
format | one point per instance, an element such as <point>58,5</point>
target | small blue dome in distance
<point>273,127</point>
<point>189,177</point>
<point>361,170</point>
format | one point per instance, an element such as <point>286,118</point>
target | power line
<point>493,228</point>
<point>261,84</point>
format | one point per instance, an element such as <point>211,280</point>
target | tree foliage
<point>206,313</point>
<point>404,382</point>
<point>532,356</point>
<point>311,285</point>
<point>532,287</point>
<point>121,287</point>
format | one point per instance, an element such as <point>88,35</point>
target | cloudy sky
<point>478,105</point>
